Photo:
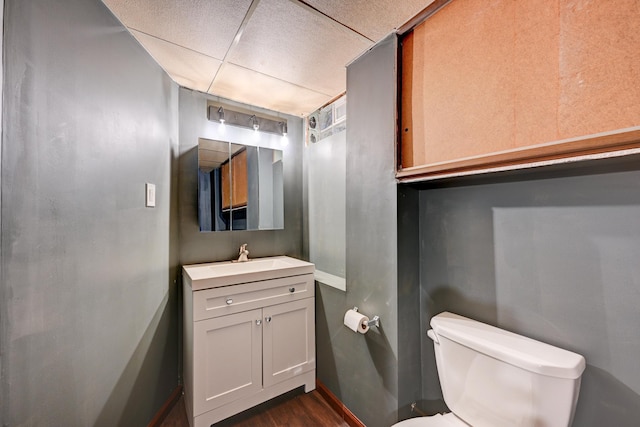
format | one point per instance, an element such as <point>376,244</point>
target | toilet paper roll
<point>355,321</point>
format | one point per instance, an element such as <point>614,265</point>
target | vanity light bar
<point>223,114</point>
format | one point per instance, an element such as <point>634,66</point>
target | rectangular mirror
<point>326,155</point>
<point>240,187</point>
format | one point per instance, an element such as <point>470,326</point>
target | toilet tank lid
<point>517,350</point>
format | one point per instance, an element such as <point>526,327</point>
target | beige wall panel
<point>409,154</point>
<point>482,77</point>
<point>536,72</point>
<point>599,66</point>
<point>468,89</point>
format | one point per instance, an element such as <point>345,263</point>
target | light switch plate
<point>150,190</point>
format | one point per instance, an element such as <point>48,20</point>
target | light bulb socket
<point>254,123</point>
<point>227,116</point>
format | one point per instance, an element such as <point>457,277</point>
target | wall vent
<point>326,121</point>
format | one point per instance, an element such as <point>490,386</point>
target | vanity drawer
<point>225,300</point>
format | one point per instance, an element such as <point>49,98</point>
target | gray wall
<point>197,247</point>
<point>88,301</point>
<point>363,370</point>
<point>409,309</point>
<point>552,254</point>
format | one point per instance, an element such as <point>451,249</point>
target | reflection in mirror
<point>240,187</point>
<point>327,183</point>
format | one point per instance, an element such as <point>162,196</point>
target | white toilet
<point>494,378</point>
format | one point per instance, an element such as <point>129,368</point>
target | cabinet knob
<point>258,322</point>
<point>292,290</point>
<point>229,301</point>
<point>268,319</point>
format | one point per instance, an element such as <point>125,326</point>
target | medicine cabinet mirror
<point>240,187</point>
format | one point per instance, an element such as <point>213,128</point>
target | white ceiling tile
<point>374,19</point>
<point>188,68</point>
<point>205,26</point>
<point>250,87</point>
<point>290,56</point>
<point>290,42</point>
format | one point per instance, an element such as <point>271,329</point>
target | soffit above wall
<point>283,55</point>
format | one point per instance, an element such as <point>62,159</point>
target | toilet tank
<point>494,378</point>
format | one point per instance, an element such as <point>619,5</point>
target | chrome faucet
<point>244,253</point>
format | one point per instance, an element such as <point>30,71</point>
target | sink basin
<point>216,274</point>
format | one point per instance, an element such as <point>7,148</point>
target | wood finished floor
<point>294,409</point>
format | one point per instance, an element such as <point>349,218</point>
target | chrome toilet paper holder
<point>375,321</point>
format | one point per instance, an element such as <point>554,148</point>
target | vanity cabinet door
<point>288,340</point>
<point>227,354</point>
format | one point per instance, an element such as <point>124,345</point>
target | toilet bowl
<point>494,378</point>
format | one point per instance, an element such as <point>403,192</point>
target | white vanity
<point>249,334</point>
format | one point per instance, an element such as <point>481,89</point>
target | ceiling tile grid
<point>206,26</point>
<point>284,55</point>
<point>253,88</point>
<point>290,42</point>
<point>186,67</point>
<point>373,19</point>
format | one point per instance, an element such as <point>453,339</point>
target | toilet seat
<point>438,420</point>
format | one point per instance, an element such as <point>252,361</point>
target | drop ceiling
<point>284,55</point>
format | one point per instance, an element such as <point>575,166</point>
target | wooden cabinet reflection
<point>238,175</point>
